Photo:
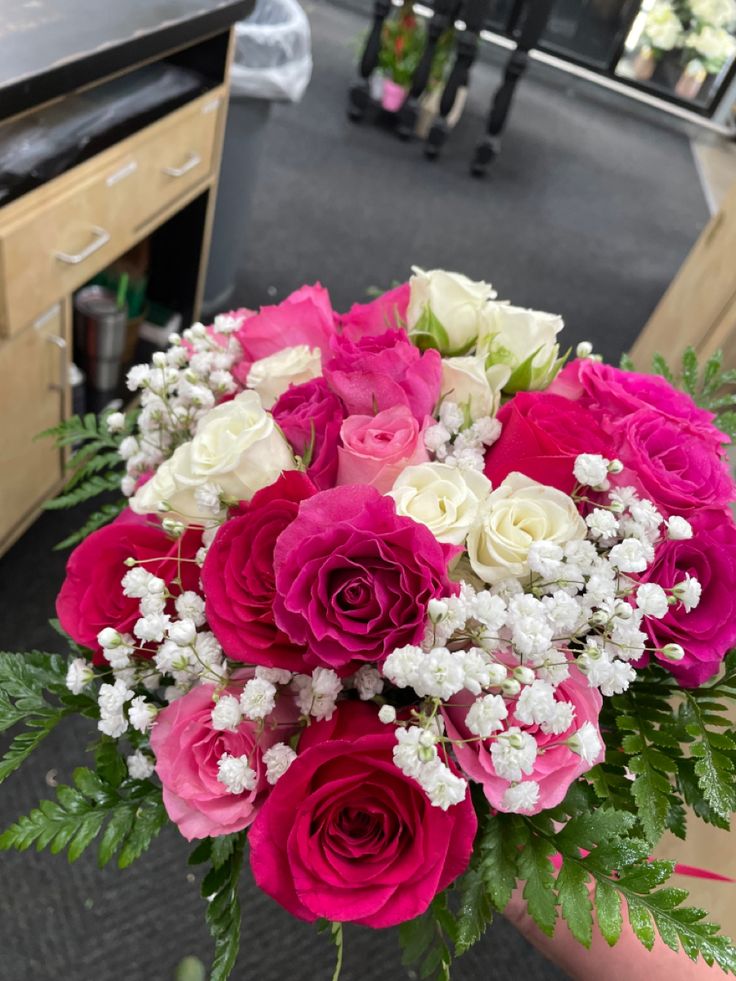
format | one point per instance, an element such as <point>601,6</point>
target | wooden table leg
<point>536,15</point>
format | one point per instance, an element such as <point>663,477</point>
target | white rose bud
<point>387,714</point>
<point>673,652</point>
<point>271,376</point>
<point>525,341</point>
<point>446,310</point>
<point>466,382</point>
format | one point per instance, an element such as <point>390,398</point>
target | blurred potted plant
<point>709,46</point>
<point>402,43</point>
<point>663,32</point>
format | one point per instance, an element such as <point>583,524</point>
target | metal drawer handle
<point>61,344</point>
<point>193,161</point>
<point>101,237</point>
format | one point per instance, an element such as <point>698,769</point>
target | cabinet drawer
<point>175,158</point>
<point>33,397</point>
<point>53,249</point>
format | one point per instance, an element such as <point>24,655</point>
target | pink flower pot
<point>393,95</point>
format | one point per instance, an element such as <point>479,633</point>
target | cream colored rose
<point>444,498</point>
<point>466,381</point>
<point>237,448</point>
<point>446,310</point>
<point>518,513</point>
<point>525,341</point>
<point>271,376</point>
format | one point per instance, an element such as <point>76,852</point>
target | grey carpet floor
<point>588,212</point>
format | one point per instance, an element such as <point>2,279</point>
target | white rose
<point>714,44</point>
<point>443,498</point>
<point>518,513</point>
<point>525,341</point>
<point>446,309</point>
<point>271,376</point>
<point>237,448</point>
<point>466,382</point>
<point>720,13</point>
<point>663,28</point>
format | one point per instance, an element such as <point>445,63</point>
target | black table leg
<point>359,94</point>
<point>442,19</point>
<point>473,13</point>
<point>535,20</point>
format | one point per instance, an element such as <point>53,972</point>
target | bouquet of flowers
<point>407,610</point>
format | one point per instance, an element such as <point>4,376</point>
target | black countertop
<point>51,47</point>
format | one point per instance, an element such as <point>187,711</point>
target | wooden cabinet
<point>34,395</point>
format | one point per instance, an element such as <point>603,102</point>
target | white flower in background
<point>277,759</point>
<point>586,743</point>
<point>445,499</point>
<point>663,28</point>
<point>368,682</point>
<point>714,44</point>
<point>513,753</point>
<point>140,766</point>
<point>237,448</point>
<point>226,714</point>
<point>688,592</point>
<point>652,600</point>
<point>515,515</point>
<point>277,676</point>
<point>141,713</point>
<point>591,469</point>
<point>387,714</point>
<point>486,715</point>
<point>316,695</point>
<point>466,382</point>
<point>679,529</point>
<point>115,422</point>
<point>523,340</point>
<point>719,13</point>
<point>78,675</point>
<point>446,309</point>
<point>235,773</point>
<point>521,798</point>
<point>271,376</point>
<point>258,698</point>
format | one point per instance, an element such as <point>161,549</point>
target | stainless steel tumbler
<point>99,333</point>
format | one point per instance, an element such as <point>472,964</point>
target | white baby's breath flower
<point>521,798</point>
<point>277,676</point>
<point>235,773</point>
<point>78,675</point>
<point>586,743</point>
<point>115,422</point>
<point>688,592</point>
<point>513,753</point>
<point>652,600</point>
<point>226,713</point>
<point>679,528</point>
<point>591,469</point>
<point>140,766</point>
<point>486,715</point>
<point>368,682</point>
<point>387,714</point>
<point>630,555</point>
<point>316,695</point>
<point>142,713</point>
<point>258,698</point>
<point>277,759</point>
<point>190,606</point>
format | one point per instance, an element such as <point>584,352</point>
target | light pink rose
<point>187,751</point>
<point>556,765</point>
<point>375,449</point>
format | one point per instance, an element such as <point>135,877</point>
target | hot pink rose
<point>304,317</point>
<point>673,466</point>
<point>375,449</point>
<point>238,576</point>
<point>382,371</point>
<point>353,578</point>
<point>310,416</point>
<point>541,436</point>
<point>187,751</point>
<point>612,393</point>
<point>386,312</point>
<point>347,836</point>
<point>91,597</point>
<point>707,632</point>
<point>556,765</point>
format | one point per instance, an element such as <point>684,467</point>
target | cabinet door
<point>33,396</point>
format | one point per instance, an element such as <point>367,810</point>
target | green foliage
<point>94,467</point>
<point>709,386</point>
<point>425,941</point>
<point>130,811</point>
<point>220,890</point>
<point>33,693</point>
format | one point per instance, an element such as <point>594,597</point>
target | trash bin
<point>272,61</point>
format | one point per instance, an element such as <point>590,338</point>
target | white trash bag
<point>273,52</point>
